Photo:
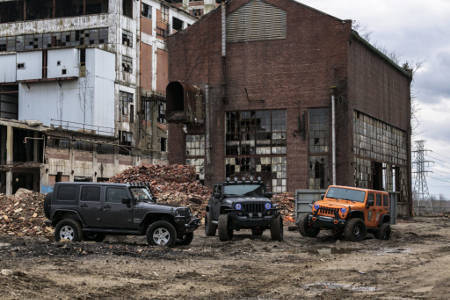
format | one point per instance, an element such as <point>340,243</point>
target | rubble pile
<point>171,184</point>
<point>286,204</point>
<point>22,214</point>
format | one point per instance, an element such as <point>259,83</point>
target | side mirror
<point>268,195</point>
<point>322,196</point>
<point>126,201</point>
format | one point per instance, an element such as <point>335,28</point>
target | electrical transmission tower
<point>420,165</point>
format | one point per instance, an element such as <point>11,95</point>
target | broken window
<point>162,112</point>
<point>161,32</point>
<point>147,108</point>
<point>11,11</point>
<point>127,64</point>
<point>146,11</point>
<point>125,138</point>
<point>124,103</point>
<point>96,6</point>
<point>197,12</point>
<point>195,154</point>
<point>127,38</point>
<point>318,148</point>
<point>9,101</point>
<point>36,10</point>
<point>55,39</point>
<point>69,8</point>
<point>163,144</point>
<point>256,146</point>
<point>177,24</point>
<point>127,8</point>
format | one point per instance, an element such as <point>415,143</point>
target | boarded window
<point>256,21</point>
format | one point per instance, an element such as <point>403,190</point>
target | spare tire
<point>48,204</point>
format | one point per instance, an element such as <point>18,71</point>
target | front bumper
<point>318,221</point>
<point>246,222</point>
<point>189,225</point>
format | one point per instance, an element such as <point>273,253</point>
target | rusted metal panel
<point>256,21</point>
<point>184,103</point>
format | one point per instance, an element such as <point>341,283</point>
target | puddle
<point>394,251</point>
<point>337,286</point>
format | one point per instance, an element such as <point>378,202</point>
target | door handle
<point>84,205</point>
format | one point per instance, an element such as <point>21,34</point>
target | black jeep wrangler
<point>237,205</point>
<point>89,211</point>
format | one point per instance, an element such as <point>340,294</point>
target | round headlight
<point>316,206</point>
<point>343,210</point>
<point>268,205</point>
<point>238,206</point>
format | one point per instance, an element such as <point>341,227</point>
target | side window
<point>378,200</point>
<point>116,195</point>
<point>90,193</point>
<point>67,193</point>
<point>370,197</point>
<point>386,200</point>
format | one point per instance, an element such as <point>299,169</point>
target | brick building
<point>267,74</point>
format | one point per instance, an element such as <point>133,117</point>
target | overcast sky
<point>418,31</point>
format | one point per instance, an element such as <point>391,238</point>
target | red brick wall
<point>146,66</point>
<point>162,62</point>
<point>146,25</point>
<point>293,74</point>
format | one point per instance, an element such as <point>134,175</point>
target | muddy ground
<point>414,264</point>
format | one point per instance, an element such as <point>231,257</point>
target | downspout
<point>224,51</point>
<point>333,136</point>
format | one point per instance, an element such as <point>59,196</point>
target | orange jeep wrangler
<point>349,211</point>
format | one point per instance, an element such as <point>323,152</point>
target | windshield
<point>142,194</point>
<point>346,194</point>
<point>244,190</point>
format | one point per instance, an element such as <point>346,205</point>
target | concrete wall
<point>8,71</point>
<point>32,62</point>
<point>63,63</point>
<point>88,100</point>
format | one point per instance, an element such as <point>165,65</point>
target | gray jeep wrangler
<point>237,205</point>
<point>89,211</point>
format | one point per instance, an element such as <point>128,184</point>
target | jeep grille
<point>328,211</point>
<point>253,207</point>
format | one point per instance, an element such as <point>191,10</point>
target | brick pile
<point>22,214</point>
<point>286,204</point>
<point>171,184</point>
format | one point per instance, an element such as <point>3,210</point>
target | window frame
<point>117,188</point>
<point>85,187</point>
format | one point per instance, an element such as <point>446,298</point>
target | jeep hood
<point>339,203</point>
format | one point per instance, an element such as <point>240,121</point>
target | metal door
<point>115,214</point>
<point>90,205</point>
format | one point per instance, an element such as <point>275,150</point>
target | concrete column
<point>2,145</point>
<point>9,159</point>
<point>72,165</point>
<point>95,171</point>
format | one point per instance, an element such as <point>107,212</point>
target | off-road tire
<point>94,236</point>
<point>210,227</point>
<point>47,205</point>
<point>355,230</point>
<point>186,239</point>
<point>305,228</point>
<point>165,227</point>
<point>276,228</point>
<point>384,232</point>
<point>225,230</point>
<point>67,226</point>
<point>257,232</point>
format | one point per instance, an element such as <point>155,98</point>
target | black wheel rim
<point>357,230</point>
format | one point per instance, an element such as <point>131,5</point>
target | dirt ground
<point>414,264</point>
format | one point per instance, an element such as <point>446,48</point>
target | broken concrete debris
<point>22,214</point>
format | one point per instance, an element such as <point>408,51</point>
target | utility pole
<point>420,181</point>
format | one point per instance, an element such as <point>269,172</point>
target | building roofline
<point>355,35</point>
